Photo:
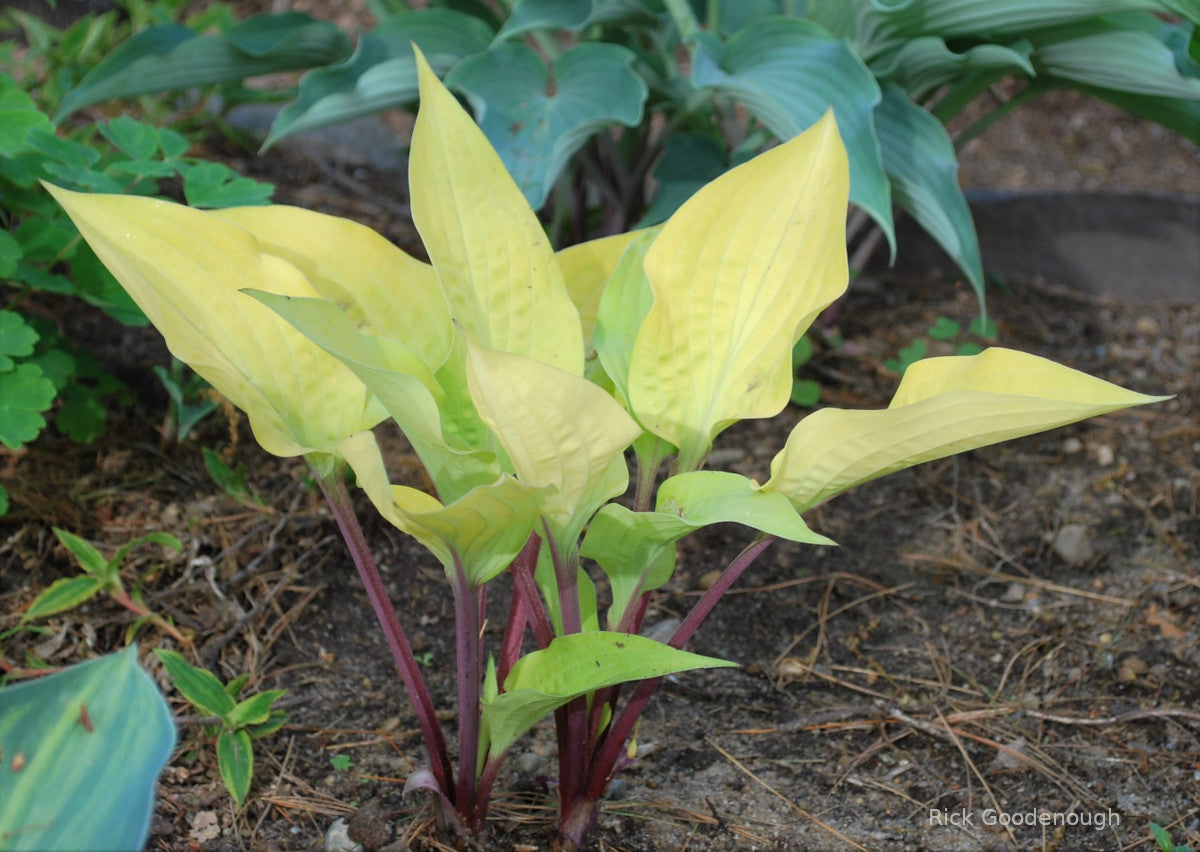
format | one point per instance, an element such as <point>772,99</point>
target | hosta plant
<point>527,381</point>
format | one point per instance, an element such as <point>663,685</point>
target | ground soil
<point>944,661</point>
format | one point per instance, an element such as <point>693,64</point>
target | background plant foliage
<point>44,375</point>
<point>701,85</point>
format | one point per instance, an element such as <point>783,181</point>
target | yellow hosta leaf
<point>558,430</point>
<point>186,269</point>
<point>381,289</point>
<point>495,263</point>
<point>482,532</point>
<point>738,273</point>
<point>943,406</point>
<point>586,268</point>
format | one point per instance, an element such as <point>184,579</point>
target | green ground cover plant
<point>528,381</point>
<point>44,375</point>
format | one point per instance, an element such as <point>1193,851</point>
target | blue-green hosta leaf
<point>82,750</point>
<point>636,550</point>
<point>923,168</point>
<point>924,64</point>
<point>381,73</point>
<point>949,18</point>
<point>165,58</point>
<point>572,666</point>
<point>529,15</point>
<point>24,394</point>
<point>535,121</point>
<point>689,161</point>
<point>1113,54</point>
<point>788,72</point>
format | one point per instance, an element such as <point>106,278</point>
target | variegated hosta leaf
<point>185,269</point>
<point>494,261</point>
<point>943,406</point>
<point>558,430</point>
<point>738,274</point>
<point>482,532</point>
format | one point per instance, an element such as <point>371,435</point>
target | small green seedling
<point>100,574</point>
<point>240,721</point>
<point>231,479</point>
<point>1163,838</point>
<point>945,330</point>
<point>189,401</point>
<point>341,762</point>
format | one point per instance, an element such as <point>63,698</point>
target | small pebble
<point>1071,446</point>
<point>1073,544</point>
<point>707,579</point>
<point>337,838</point>
<point>1147,326</point>
<point>1105,455</point>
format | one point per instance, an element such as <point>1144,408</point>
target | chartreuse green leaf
<point>90,559</point>
<point>788,72</point>
<point>492,257</point>
<point>921,162</point>
<point>381,73</point>
<point>943,406</point>
<point>586,268</point>
<point>382,290</point>
<point>536,412</point>
<point>572,666</point>
<point>637,549</point>
<point>480,533</point>
<point>82,750</point>
<point>623,307</point>
<point>535,125</point>
<point>256,709</point>
<point>235,761</point>
<point>738,273</point>
<point>169,57</point>
<point>407,388</point>
<point>185,269</point>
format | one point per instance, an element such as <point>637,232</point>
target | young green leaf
<point>17,337</point>
<point>90,559</point>
<point>235,761</point>
<point>254,710</point>
<point>572,666</point>
<point>62,595</point>
<point>197,685</point>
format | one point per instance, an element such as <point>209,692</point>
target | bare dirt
<point>941,680</point>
